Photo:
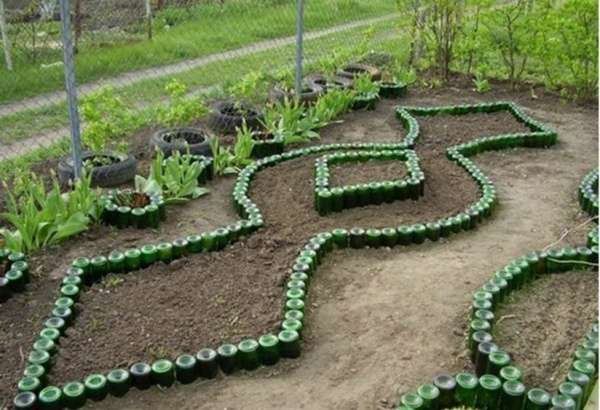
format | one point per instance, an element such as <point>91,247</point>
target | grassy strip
<point>212,29</point>
<point>32,122</point>
<point>201,77</point>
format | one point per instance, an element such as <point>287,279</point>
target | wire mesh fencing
<point>137,47</point>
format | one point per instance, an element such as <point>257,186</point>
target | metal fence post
<point>299,45</point>
<point>5,41</point>
<point>148,18</point>
<point>70,86</point>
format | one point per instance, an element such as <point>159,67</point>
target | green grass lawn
<point>36,121</point>
<point>209,29</point>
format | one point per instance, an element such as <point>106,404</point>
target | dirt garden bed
<point>206,299</point>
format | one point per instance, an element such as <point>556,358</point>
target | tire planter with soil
<point>113,169</point>
<point>354,70</point>
<point>194,141</point>
<point>286,343</point>
<point>226,116</point>
<point>310,94</point>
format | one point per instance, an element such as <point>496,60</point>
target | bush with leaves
<point>180,110</point>
<point>107,119</point>
<point>365,87</point>
<point>287,120</point>
<point>40,217</point>
<point>175,178</point>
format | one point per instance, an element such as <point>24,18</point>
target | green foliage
<point>482,85</point>
<point>180,110</point>
<point>107,118</point>
<point>42,218</point>
<point>227,162</point>
<point>176,178</point>
<point>251,87</point>
<point>330,106</point>
<point>288,121</point>
<point>364,87</point>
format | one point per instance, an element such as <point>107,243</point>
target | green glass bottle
<point>373,238</point>
<point>268,351</point>
<point>585,367</point>
<point>118,382</point>
<point>573,391</point>
<point>405,235</point>
<point>116,262</point>
<point>497,361</point>
<point>29,383</point>
<point>510,373</point>
<point>478,337</point>
<point>133,259</point>
<point>466,389</point>
<point>141,375</point>
<point>248,354</point>
<point>537,399</point>
<point>357,238</point>
<point>180,245</point>
<point>37,371</point>
<point>39,357</point>
<point>74,395</point>
<point>446,384</point>
<point>228,358</point>
<point>195,241</point>
<point>513,395</point>
<point>50,398</point>
<point>25,401</point>
<point>482,358</point>
<point>149,255</point>
<point>208,366</point>
<point>412,401</point>
<point>96,387</point>
<point>340,238</point>
<point>583,380</point>
<point>489,392</point>
<point>289,344</point>
<point>430,396</point>
<point>186,368</point>
<point>163,372</point>
<point>419,233</point>
<point>563,402</point>
<point>45,345</point>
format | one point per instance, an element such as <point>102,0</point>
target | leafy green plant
<point>482,85</point>
<point>180,110</point>
<point>289,121</point>
<point>226,161</point>
<point>42,218</point>
<point>107,118</point>
<point>329,106</point>
<point>176,178</point>
<point>364,87</point>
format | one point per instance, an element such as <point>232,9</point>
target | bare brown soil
<point>380,321</point>
<point>365,172</point>
<point>539,325</point>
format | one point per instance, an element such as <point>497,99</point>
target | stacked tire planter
<point>14,273</point>
<point>270,348</point>
<point>335,199</point>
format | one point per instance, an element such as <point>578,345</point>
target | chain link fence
<point>137,47</point>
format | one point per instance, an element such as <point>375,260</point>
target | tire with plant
<point>356,69</point>
<point>227,116</point>
<point>184,140</point>
<point>340,82</point>
<point>107,169</point>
